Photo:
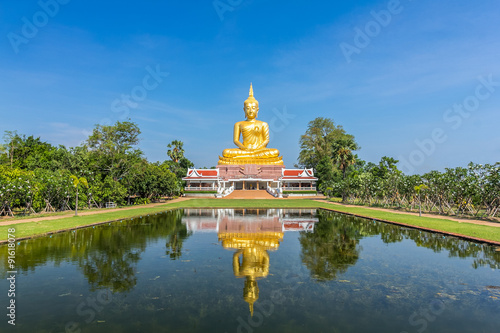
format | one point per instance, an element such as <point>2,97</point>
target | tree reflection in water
<point>107,254</point>
<point>331,248</point>
<point>334,245</point>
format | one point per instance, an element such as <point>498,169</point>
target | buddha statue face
<point>251,109</point>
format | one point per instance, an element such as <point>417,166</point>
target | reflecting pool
<point>267,270</point>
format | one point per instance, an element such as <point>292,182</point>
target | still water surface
<point>294,270</point>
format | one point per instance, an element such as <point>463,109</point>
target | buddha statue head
<point>251,106</point>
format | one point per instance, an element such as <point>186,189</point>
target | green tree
<point>32,153</point>
<point>12,141</point>
<point>106,189</point>
<point>155,181</point>
<point>78,160</point>
<point>342,153</point>
<point>328,173</point>
<point>386,166</point>
<point>112,148</point>
<point>317,150</point>
<point>317,142</point>
<point>4,154</point>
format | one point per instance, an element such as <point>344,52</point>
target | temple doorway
<point>251,185</point>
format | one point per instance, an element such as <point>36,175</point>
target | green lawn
<point>462,228</point>
<point>40,228</point>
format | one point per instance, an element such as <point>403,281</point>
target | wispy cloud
<point>62,133</point>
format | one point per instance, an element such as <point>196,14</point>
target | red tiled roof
<point>205,178</point>
<point>298,174</point>
<point>296,226</point>
<point>202,173</point>
<point>298,178</point>
<point>294,173</point>
<point>206,173</point>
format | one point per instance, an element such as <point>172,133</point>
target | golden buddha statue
<point>255,133</point>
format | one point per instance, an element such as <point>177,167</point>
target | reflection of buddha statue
<point>255,133</point>
<point>252,248</point>
<point>252,237</point>
<point>255,264</point>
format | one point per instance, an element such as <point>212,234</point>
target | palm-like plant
<point>342,153</point>
<point>177,152</point>
<point>76,182</point>
<point>419,189</point>
<point>342,156</point>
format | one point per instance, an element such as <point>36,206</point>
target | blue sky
<point>422,84</point>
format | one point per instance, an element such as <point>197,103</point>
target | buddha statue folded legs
<point>255,133</point>
<point>262,153</point>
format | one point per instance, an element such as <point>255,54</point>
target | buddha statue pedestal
<point>269,172</point>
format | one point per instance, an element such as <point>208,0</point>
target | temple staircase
<point>249,194</point>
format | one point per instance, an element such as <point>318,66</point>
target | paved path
<point>444,217</point>
<point>83,212</point>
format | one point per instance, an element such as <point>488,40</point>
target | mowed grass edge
<point>32,229</point>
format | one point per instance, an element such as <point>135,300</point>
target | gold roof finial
<point>250,98</point>
<point>251,292</point>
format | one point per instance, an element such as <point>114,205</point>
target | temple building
<point>250,166</point>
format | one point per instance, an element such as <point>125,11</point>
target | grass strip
<point>444,225</point>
